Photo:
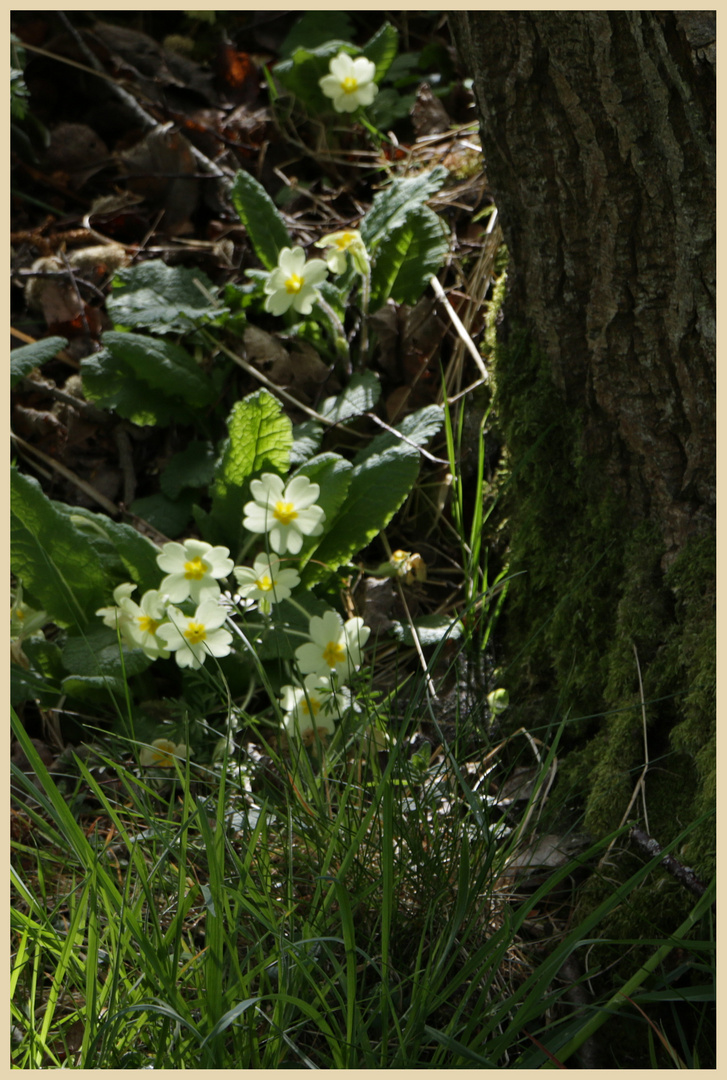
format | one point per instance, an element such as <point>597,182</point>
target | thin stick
<point>459,327</point>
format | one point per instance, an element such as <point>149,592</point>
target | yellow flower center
<point>264,583</point>
<point>349,84</point>
<point>147,625</point>
<point>285,512</point>
<point>343,241</point>
<point>310,706</point>
<point>195,633</point>
<point>334,653</point>
<point>163,754</point>
<point>195,569</point>
<point>294,283</point>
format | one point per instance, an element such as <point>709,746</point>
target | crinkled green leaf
<point>127,554</point>
<point>190,468</point>
<point>259,440</point>
<point>300,74</point>
<point>419,427</point>
<point>379,485</point>
<point>263,221</point>
<point>391,206</point>
<point>381,49</point>
<point>108,382</point>
<point>306,440</point>
<point>407,257</point>
<point>163,365</point>
<point>97,653</point>
<point>333,475</point>
<point>27,357</point>
<point>316,28</point>
<point>56,561</point>
<point>361,394</point>
<point>167,299</point>
<point>431,629</point>
<point>168,516</point>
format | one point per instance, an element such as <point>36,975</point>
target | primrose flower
<point>335,646</point>
<point>120,615</point>
<point>294,282</point>
<point>265,582</point>
<point>191,570</point>
<point>161,754</point>
<point>350,82</point>
<point>146,619</point>
<point>287,514</point>
<point>192,638</point>
<point>314,705</point>
<point>338,243</point>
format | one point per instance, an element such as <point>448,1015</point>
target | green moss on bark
<point>589,606</point>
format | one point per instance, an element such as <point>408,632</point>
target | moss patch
<point>590,608</point>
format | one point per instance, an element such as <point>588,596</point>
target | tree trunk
<point>598,134</point>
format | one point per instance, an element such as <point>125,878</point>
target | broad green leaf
<point>190,468</point>
<point>258,213</point>
<point>27,357</point>
<point>29,686</point>
<point>306,440</point>
<point>260,437</point>
<point>419,427</point>
<point>361,394</point>
<point>381,49</point>
<point>96,653</point>
<point>56,561</point>
<point>163,365</point>
<point>431,629</point>
<point>167,299</point>
<point>168,516</point>
<point>127,554</point>
<point>108,382</point>
<point>379,485</point>
<point>407,257</point>
<point>316,28</point>
<point>391,206</point>
<point>333,474</point>
<point>300,74</point>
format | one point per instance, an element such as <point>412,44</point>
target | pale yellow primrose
<point>350,82</point>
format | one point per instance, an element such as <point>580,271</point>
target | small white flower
<point>192,638</point>
<point>191,570</point>
<point>118,615</point>
<point>334,646</point>
<point>146,619</point>
<point>338,243</point>
<point>294,282</point>
<point>288,514</point>
<point>350,82</point>
<point>265,582</point>
<point>161,754</point>
<point>312,707</point>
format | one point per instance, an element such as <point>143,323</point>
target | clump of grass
<point>360,915</point>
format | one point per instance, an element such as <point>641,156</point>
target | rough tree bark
<point>598,133</point>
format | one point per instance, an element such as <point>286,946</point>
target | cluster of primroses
<point>186,615</point>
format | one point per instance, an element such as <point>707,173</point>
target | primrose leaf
<point>407,257</point>
<point>263,221</point>
<point>391,206</point>
<point>316,28</point>
<point>167,299</point>
<point>300,74</point>
<point>56,562</point>
<point>192,467</point>
<point>260,438</point>
<point>333,474</point>
<point>361,394</point>
<point>381,49</point>
<point>379,485</point>
<point>162,364</point>
<point>108,382</point>
<point>419,427</point>
<point>97,653</point>
<point>27,357</point>
<point>124,551</point>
